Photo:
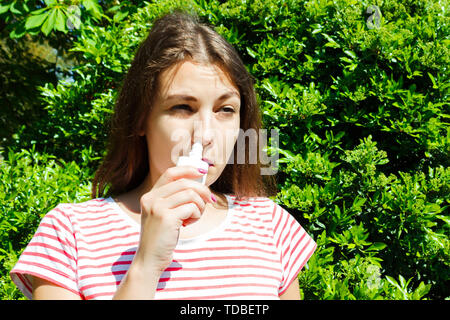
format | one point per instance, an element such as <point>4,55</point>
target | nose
<point>203,127</point>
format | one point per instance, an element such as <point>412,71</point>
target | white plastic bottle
<point>195,159</point>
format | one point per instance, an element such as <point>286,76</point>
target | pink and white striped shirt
<point>87,248</point>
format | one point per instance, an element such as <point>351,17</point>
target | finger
<point>187,213</point>
<point>185,196</point>
<point>188,222</point>
<point>175,173</point>
<point>186,184</point>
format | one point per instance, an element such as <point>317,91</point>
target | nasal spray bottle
<point>195,159</point>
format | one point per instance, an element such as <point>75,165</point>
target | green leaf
<point>35,20</point>
<point>120,15</point>
<point>39,11</point>
<point>19,31</point>
<point>49,23</point>
<point>377,246</point>
<point>60,21</point>
<point>421,290</point>
<point>13,8</point>
<point>93,8</point>
<point>331,42</point>
<point>444,218</point>
<point>50,2</point>
<point>251,52</point>
<point>393,282</point>
<point>4,8</point>
<point>351,54</point>
<point>345,59</point>
<point>433,80</point>
<point>402,282</point>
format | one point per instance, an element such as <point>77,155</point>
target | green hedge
<point>31,184</point>
<point>361,105</point>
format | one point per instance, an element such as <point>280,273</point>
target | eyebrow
<point>185,97</point>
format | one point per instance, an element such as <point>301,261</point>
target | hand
<point>174,200</point>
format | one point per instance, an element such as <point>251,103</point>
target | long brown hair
<point>176,37</point>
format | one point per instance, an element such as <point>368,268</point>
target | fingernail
<point>202,171</point>
<point>213,198</point>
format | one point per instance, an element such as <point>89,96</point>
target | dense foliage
<point>358,91</point>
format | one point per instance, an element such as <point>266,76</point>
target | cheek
<point>231,141</point>
<point>167,141</point>
<point>227,143</point>
<point>160,144</point>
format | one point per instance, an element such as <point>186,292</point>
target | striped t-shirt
<point>87,248</point>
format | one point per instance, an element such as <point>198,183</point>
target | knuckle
<point>145,202</point>
<point>156,207</point>
<point>194,209</point>
<point>198,212</point>
<point>170,174</point>
<point>191,193</point>
<point>185,182</point>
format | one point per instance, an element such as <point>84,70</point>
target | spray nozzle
<point>196,151</point>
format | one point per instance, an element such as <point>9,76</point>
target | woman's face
<point>195,103</point>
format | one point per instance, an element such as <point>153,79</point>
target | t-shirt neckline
<point>184,241</point>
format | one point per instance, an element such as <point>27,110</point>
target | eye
<point>187,108</point>
<point>181,107</point>
<point>228,109</point>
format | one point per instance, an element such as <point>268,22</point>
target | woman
<point>151,230</point>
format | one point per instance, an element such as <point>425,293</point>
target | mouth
<point>210,163</point>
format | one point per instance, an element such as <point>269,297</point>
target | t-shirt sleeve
<point>50,255</point>
<point>294,244</point>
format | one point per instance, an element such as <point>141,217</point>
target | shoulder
<point>263,205</point>
<point>252,202</point>
<point>261,208</point>
<point>92,206</point>
<point>281,220</point>
<point>68,213</point>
